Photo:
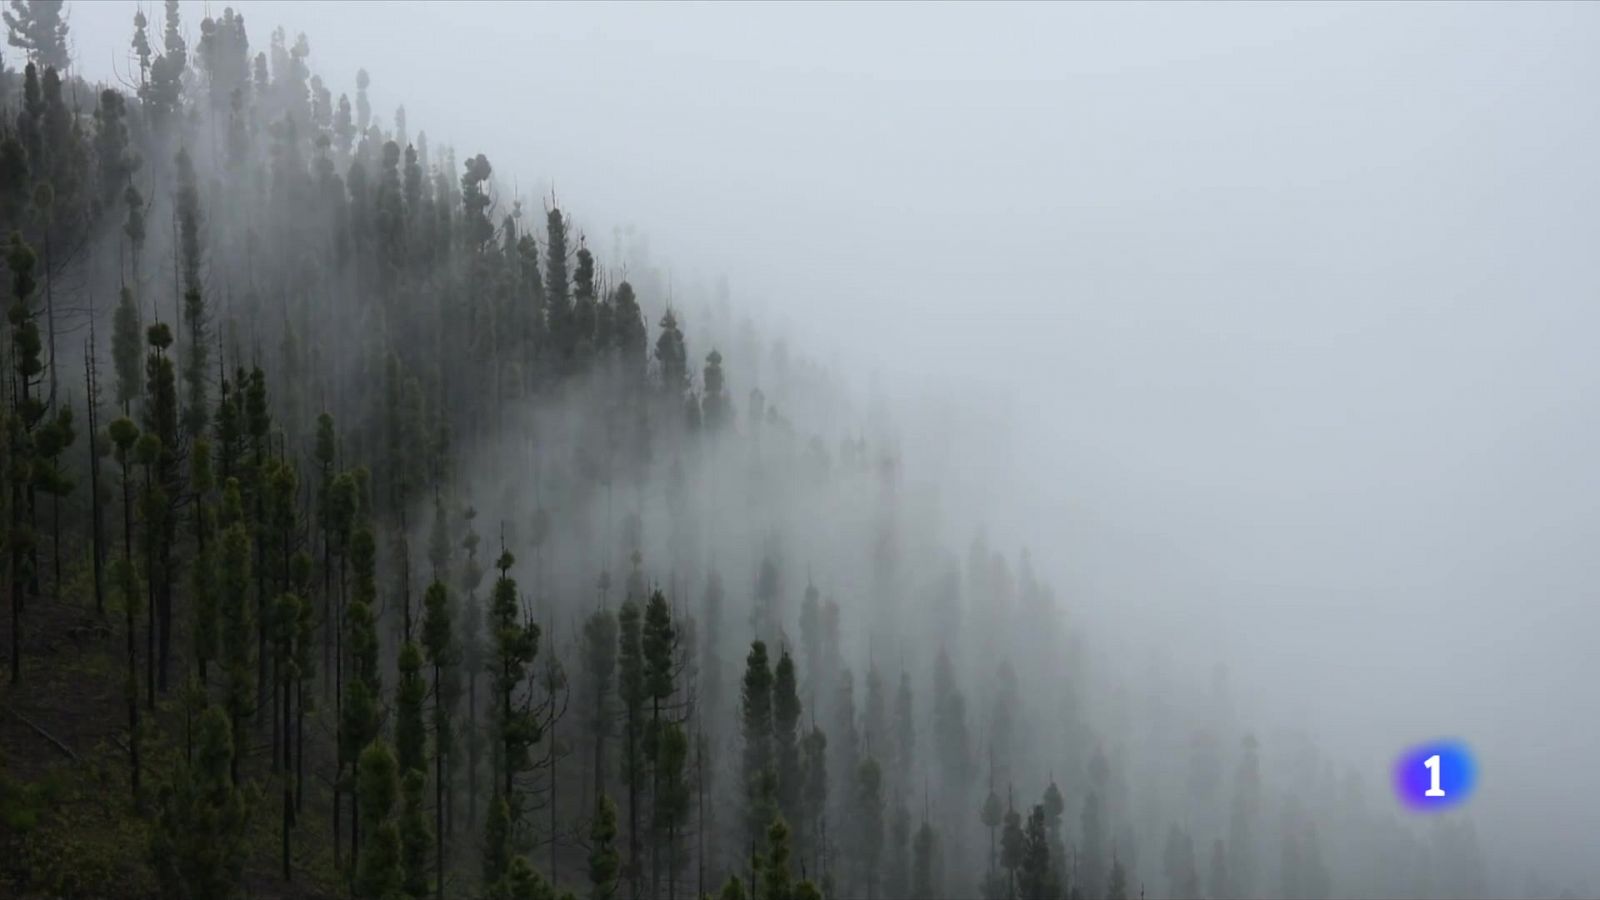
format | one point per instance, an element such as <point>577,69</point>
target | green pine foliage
<point>199,844</point>
<point>516,643</point>
<point>760,779</point>
<point>411,692</point>
<point>379,875</point>
<point>604,861</point>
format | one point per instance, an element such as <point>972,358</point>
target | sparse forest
<point>370,531</point>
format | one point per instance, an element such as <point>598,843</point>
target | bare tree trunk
<point>133,644</point>
<point>97,533</point>
<point>438,791</point>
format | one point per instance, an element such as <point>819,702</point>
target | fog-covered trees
<point>334,341</point>
<point>39,28</point>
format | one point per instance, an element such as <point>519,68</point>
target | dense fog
<point>1162,414</point>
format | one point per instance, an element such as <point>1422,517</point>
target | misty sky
<point>1271,329</point>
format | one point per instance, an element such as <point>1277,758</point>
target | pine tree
<point>557,299</point>
<point>585,311</point>
<point>117,162</point>
<point>716,409</point>
<point>363,105</point>
<point>360,711</point>
<point>1036,878</point>
<point>161,430</point>
<point>1054,805</point>
<point>756,709</point>
<point>631,339</point>
<point>844,744</point>
<point>39,29</point>
<point>814,769</point>
<point>195,369</point>
<point>1012,846</point>
<point>711,663</point>
<point>200,840</point>
<point>324,452</point>
<point>600,666</point>
<point>285,615</point>
<point>416,840</point>
<point>473,656</point>
<point>992,815</point>
<point>733,889</point>
<point>305,669</point>
<point>633,690</point>
<point>950,723</point>
<point>603,860</point>
<point>341,513</point>
<point>672,357</point>
<point>203,575</point>
<point>786,741</point>
<point>344,129</point>
<point>869,823</point>
<point>152,509</point>
<point>29,410</point>
<point>162,88</point>
<point>125,352</point>
<point>1117,887</point>
<point>123,434</point>
<point>811,644</point>
<point>904,743</point>
<point>778,882</point>
<point>522,882</point>
<point>497,841</point>
<point>378,873</point>
<point>410,733</point>
<point>671,797</point>
<point>440,645</point>
<point>658,642</point>
<point>54,435</point>
<point>516,643</point>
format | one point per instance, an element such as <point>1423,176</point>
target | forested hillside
<point>372,531</point>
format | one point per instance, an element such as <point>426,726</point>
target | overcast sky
<point>1291,311</point>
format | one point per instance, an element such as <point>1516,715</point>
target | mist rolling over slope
<point>777,451</point>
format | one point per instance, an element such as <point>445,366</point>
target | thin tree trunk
<point>472,751</point>
<point>700,819</point>
<point>672,861</point>
<point>355,827</point>
<point>438,788</point>
<point>338,704</point>
<point>329,623</point>
<point>505,755</point>
<point>300,750</point>
<point>288,793</point>
<point>150,617</point>
<point>166,604</point>
<point>633,808</point>
<point>553,782</point>
<point>55,537</point>
<point>16,616</point>
<point>133,644</point>
<point>655,791</point>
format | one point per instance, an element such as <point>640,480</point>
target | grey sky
<point>1290,310</point>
